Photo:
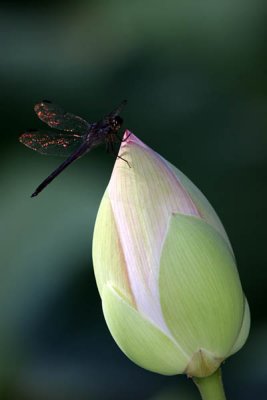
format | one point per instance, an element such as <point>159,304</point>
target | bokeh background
<point>195,76</point>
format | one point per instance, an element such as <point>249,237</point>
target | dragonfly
<point>73,136</point>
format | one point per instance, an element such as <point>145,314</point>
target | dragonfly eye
<point>116,123</point>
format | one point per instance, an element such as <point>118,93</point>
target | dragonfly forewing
<point>55,117</point>
<point>117,110</point>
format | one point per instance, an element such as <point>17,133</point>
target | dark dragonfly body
<point>74,136</point>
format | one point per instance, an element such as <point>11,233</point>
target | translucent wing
<point>51,143</point>
<point>54,116</point>
<point>117,110</point>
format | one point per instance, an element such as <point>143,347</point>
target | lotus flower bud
<point>165,269</point>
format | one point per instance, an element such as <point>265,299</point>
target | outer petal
<point>108,258</point>
<point>205,209</point>
<point>244,331</point>
<point>200,290</point>
<point>139,338</point>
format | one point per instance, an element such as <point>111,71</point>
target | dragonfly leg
<point>108,146</point>
<point>123,159</point>
<point>111,142</point>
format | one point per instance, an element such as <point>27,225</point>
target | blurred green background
<point>195,76</point>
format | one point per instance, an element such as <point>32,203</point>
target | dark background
<point>195,76</point>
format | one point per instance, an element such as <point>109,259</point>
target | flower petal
<point>201,295</point>
<point>205,209</point>
<point>139,338</point>
<point>244,331</point>
<point>203,363</point>
<point>108,258</point>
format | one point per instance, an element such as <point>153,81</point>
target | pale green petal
<point>108,258</point>
<point>139,338</point>
<point>203,363</point>
<point>244,331</point>
<point>204,207</point>
<point>201,294</point>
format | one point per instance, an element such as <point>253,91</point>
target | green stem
<point>211,387</point>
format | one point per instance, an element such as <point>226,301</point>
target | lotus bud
<point>165,269</point>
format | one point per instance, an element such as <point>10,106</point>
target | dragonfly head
<point>116,123</point>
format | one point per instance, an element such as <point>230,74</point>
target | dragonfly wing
<point>55,116</point>
<point>51,143</point>
<point>117,110</point>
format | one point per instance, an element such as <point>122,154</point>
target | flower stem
<point>211,387</point>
